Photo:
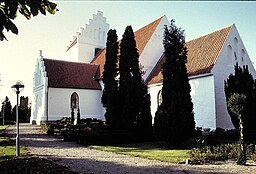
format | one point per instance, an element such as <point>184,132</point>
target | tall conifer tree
<point>134,95</point>
<point>174,120</point>
<point>110,93</point>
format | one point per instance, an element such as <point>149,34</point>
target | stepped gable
<point>202,55</point>
<point>63,74</point>
<point>142,37</point>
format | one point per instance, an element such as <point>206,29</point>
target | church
<point>75,84</point>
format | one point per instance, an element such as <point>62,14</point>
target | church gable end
<point>88,40</point>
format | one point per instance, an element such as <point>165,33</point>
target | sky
<point>52,33</point>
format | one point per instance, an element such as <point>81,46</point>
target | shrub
<point>209,154</point>
<point>221,152</point>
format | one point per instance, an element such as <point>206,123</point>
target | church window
<point>229,53</point>
<point>242,55</point>
<point>235,56</point>
<point>159,98</point>
<point>74,101</point>
<point>96,50</point>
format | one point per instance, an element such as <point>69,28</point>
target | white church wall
<point>202,93</point>
<point>150,55</point>
<point>203,98</point>
<point>59,101</point>
<point>93,36</point>
<point>154,91</point>
<point>232,52</point>
<point>72,54</point>
<point>40,82</point>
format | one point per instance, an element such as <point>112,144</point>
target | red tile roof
<point>63,74</point>
<point>142,37</point>
<point>202,55</point>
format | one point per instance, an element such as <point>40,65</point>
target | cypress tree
<point>133,90</point>
<point>174,119</point>
<point>242,82</point>
<point>6,109</point>
<point>110,93</point>
<point>126,87</point>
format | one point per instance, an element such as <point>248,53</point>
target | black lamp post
<point>18,87</point>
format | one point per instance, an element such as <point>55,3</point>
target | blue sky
<point>52,33</point>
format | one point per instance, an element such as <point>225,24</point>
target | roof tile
<point>63,74</point>
<point>202,55</point>
<point>142,37</point>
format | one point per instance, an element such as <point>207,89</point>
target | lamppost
<point>18,87</point>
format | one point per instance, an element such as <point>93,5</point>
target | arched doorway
<point>74,108</point>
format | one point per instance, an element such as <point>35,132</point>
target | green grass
<point>149,151</point>
<point>7,146</point>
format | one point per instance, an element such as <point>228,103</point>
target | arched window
<point>235,49</point>
<point>74,101</point>
<point>159,98</point>
<point>230,54</point>
<point>242,55</point>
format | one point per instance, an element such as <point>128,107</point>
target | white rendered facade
<point>59,102</point>
<point>154,48</point>
<point>50,103</point>
<point>84,44</point>
<point>207,90</point>
<point>232,52</point>
<point>203,98</point>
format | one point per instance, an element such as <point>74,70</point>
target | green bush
<point>209,154</point>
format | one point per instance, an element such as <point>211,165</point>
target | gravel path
<point>90,161</point>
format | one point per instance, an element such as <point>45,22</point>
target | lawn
<point>7,146</point>
<point>148,150</point>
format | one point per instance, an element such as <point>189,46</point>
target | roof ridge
<point>151,23</point>
<point>57,60</point>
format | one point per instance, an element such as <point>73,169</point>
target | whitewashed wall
<point>40,83</point>
<point>203,98</point>
<point>153,91</point>
<point>154,48</point>
<point>202,93</point>
<point>223,68</point>
<point>89,102</point>
<point>94,35</point>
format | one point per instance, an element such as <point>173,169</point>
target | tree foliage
<point>110,93</point>
<point>135,100</point>
<point>242,82</point>
<point>174,119</point>
<point>9,10</point>
<point>6,108</point>
<point>24,110</point>
<point>236,104</point>
<point>125,95</point>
